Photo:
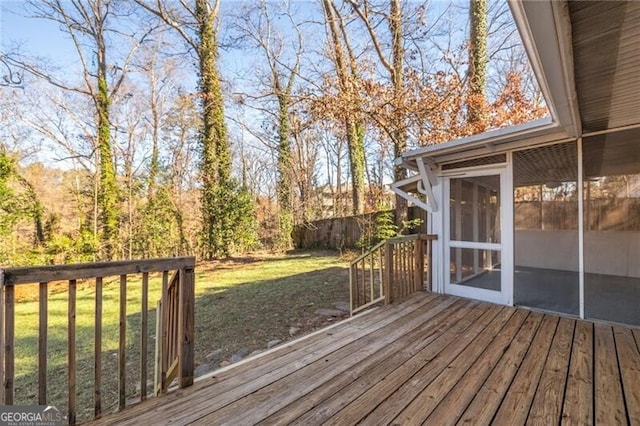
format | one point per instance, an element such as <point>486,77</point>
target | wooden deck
<point>433,360</point>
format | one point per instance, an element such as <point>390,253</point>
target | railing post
<point>2,323</point>
<point>71,351</point>
<point>186,328</point>
<point>97,366</point>
<point>351,306</point>
<point>122,345</point>
<point>43,314</point>
<point>8,326</point>
<point>157,369</point>
<point>388,272</point>
<point>429,264</point>
<point>418,284</point>
<point>163,333</point>
<point>144,315</point>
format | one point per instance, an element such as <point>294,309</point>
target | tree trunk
<point>285,219</point>
<point>397,79</point>
<point>107,191</point>
<point>215,166</point>
<point>477,64</point>
<point>354,125</point>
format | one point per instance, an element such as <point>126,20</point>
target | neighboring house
<point>338,201</point>
<point>547,214</point>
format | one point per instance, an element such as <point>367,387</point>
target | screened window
<point>612,226</point>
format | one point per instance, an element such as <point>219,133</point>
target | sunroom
<point>546,215</point>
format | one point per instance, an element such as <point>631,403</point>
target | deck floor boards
<point>432,359</point>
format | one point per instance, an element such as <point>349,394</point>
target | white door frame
<point>505,295</point>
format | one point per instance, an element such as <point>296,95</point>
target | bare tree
<point>392,61</point>
<point>256,28</point>
<point>197,24</point>
<point>89,23</point>
<point>347,75</point>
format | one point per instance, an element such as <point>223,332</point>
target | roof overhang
<point>535,132</point>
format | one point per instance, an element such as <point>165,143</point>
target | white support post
<point>476,231</point>
<point>487,226</point>
<point>580,192</point>
<point>436,226</point>
<point>458,214</point>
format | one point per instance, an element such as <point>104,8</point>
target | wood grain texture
<point>246,378</point>
<point>515,407</point>
<point>450,408</point>
<point>497,334</point>
<point>547,403</point>
<point>578,400</point>
<point>334,394</point>
<point>629,358</point>
<point>488,399</point>
<point>254,407</point>
<point>608,399</point>
<point>383,403</point>
<point>433,359</point>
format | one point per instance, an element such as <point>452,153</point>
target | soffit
<point>606,51</point>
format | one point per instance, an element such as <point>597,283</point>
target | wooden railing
<point>175,329</point>
<point>390,271</point>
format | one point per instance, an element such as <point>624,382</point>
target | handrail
<point>79,271</point>
<point>176,341</point>
<point>368,252</point>
<point>390,271</point>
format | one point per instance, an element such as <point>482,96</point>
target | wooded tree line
<point>209,127</point>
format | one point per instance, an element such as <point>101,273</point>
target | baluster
<point>144,336</point>
<point>164,354</point>
<point>122,346</point>
<point>43,315</point>
<point>71,349</point>
<point>371,280</point>
<point>97,368</point>
<point>2,322</point>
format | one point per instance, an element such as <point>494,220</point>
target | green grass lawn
<point>240,304</point>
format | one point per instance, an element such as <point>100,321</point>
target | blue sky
<point>39,37</point>
<point>44,39</point>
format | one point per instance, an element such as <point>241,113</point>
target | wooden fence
<point>600,214</point>
<point>345,232</point>
<point>175,330</point>
<point>390,271</point>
